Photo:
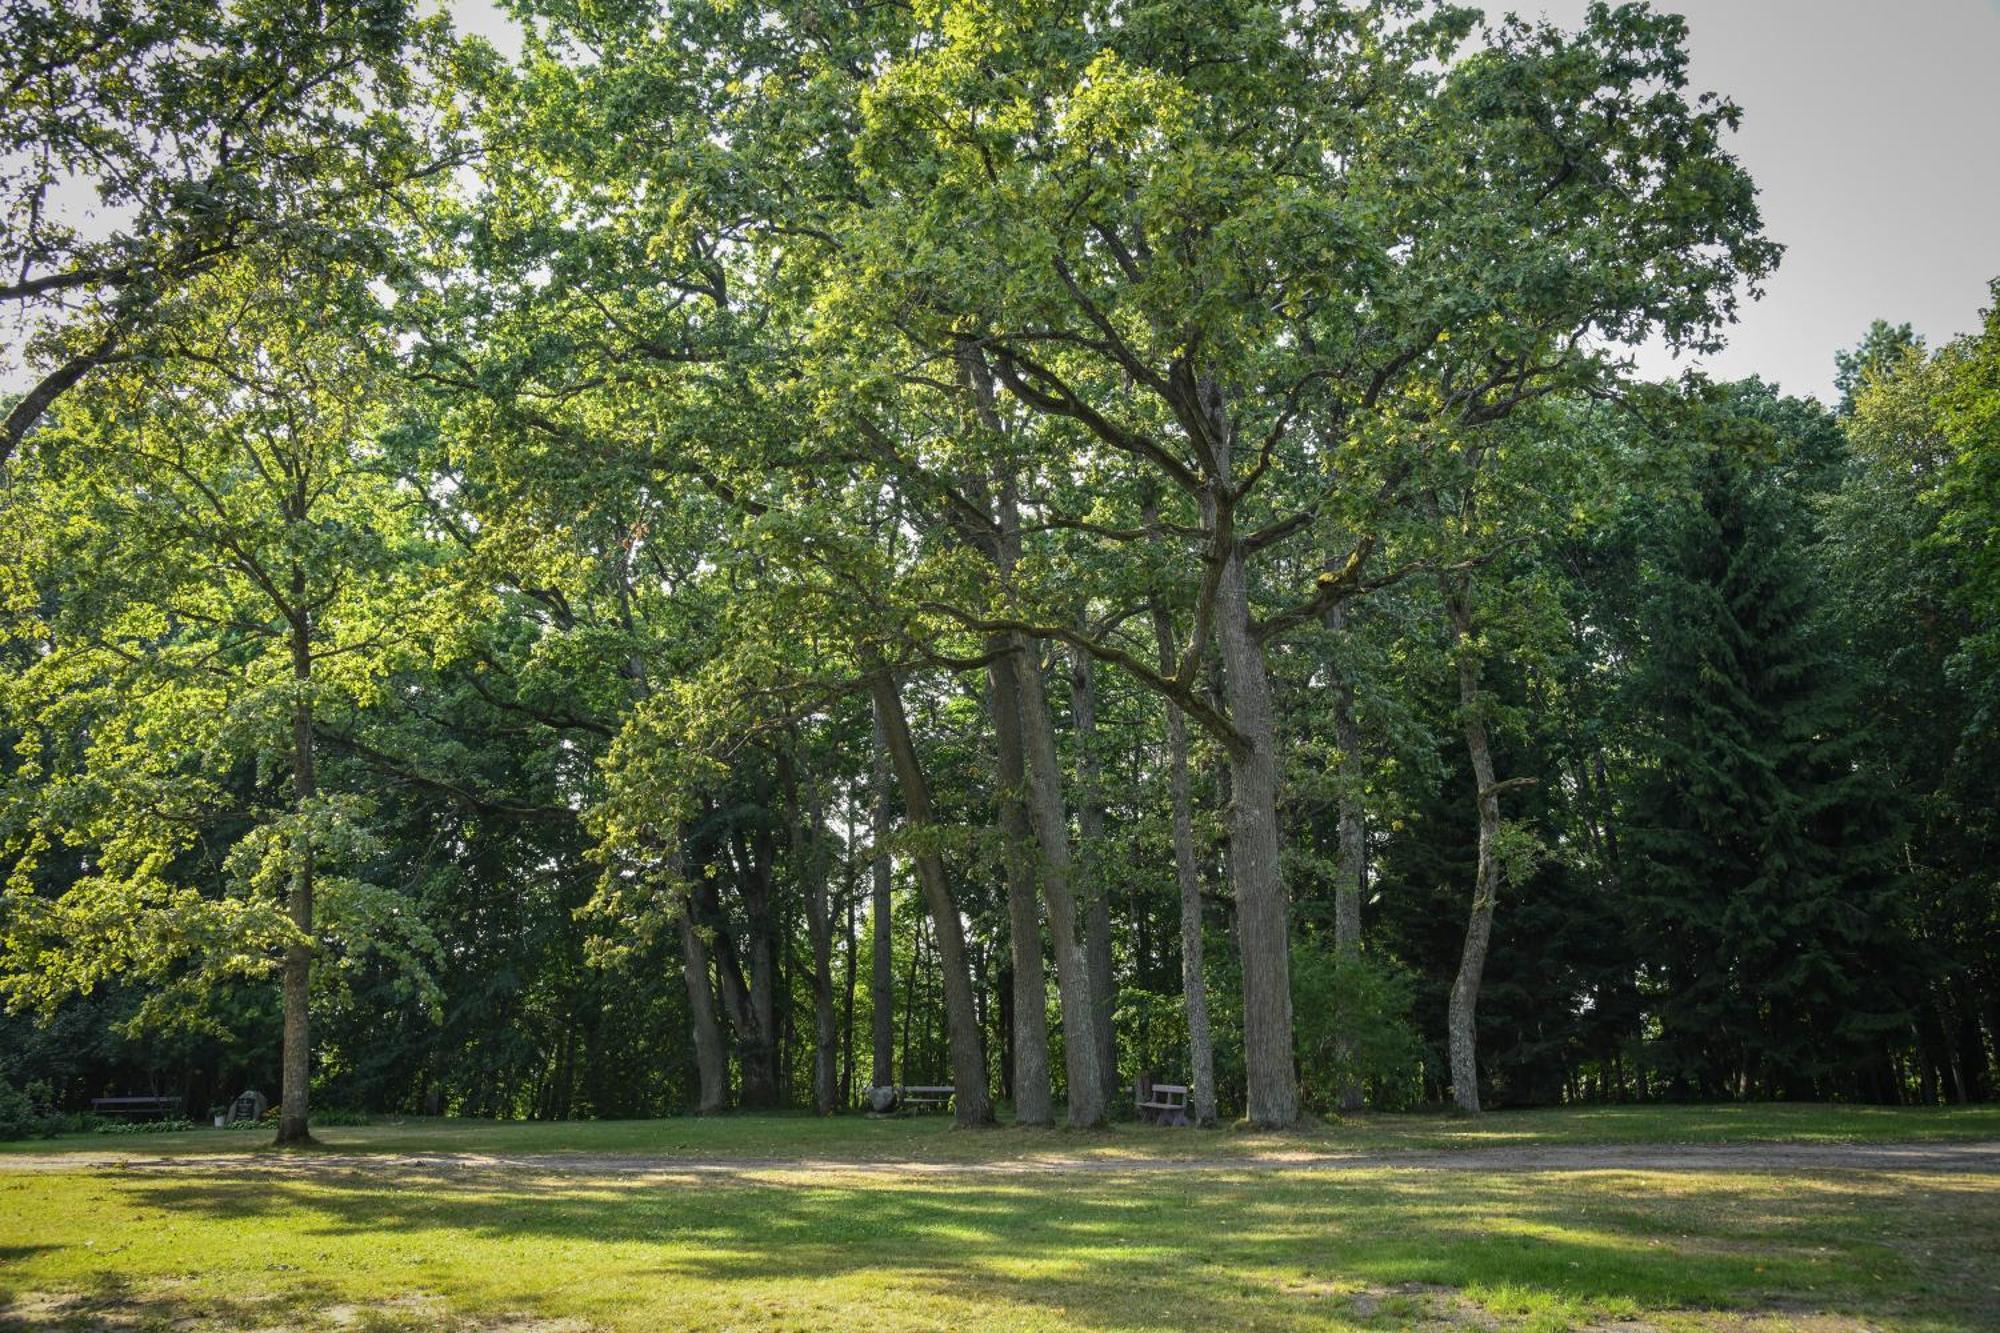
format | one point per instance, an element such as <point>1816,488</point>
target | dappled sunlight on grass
<point>798,1137</point>
<point>1106,1250</point>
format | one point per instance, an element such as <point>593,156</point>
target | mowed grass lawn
<point>931,1138</point>
<point>401,1245</point>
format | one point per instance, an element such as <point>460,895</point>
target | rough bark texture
<point>882,979</point>
<point>1263,925</point>
<point>1263,912</point>
<point>850,901</point>
<point>711,1061</point>
<point>1094,888</point>
<point>1462,1019</point>
<point>296,1074</point>
<point>1045,811</point>
<point>756,1088</point>
<point>1034,1098</point>
<point>1000,542</point>
<point>826,1037</point>
<point>755,1015</point>
<point>1187,874</point>
<point>809,866</point>
<point>973,1103</point>
<point>1352,862</point>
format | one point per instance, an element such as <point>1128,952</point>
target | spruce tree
<point>1765,874</point>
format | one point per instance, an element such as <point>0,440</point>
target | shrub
<point>144,1126</point>
<point>1368,1001</point>
<point>337,1116</point>
<point>25,1113</point>
<point>17,1114</point>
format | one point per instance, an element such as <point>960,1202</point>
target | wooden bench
<point>167,1108</point>
<point>1163,1103</point>
<point>930,1097</point>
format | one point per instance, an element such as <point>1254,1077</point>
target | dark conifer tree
<point>1765,879</point>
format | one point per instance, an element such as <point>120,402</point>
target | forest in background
<point>770,548</point>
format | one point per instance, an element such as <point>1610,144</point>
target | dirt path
<point>1979,1158</point>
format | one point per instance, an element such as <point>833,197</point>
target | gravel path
<point>1980,1158</point>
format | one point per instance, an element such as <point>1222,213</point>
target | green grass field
<point>932,1137</point>
<point>280,1243</point>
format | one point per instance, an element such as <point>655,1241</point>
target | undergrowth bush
<point>174,1126</point>
<point>338,1116</point>
<point>1367,1002</point>
<point>28,1113</point>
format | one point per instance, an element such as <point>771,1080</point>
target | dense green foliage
<point>511,568</point>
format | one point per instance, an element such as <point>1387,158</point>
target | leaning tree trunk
<point>1096,904</point>
<point>882,978</point>
<point>757,1033</point>
<point>1194,983</point>
<point>1352,861</point>
<point>1045,810</point>
<point>974,1104</point>
<point>1263,926</point>
<point>297,1054</point>
<point>711,1061</point>
<point>1462,1013</point>
<point>1034,1099</point>
<point>756,1090</point>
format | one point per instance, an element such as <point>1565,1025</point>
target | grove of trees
<point>767,548</point>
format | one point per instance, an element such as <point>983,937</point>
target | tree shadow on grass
<point>13,1254</point>
<point>114,1302</point>
<point>1115,1251</point>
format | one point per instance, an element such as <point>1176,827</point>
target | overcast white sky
<point>1872,128</point>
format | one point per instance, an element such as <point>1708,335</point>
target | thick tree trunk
<point>756,1088</point>
<point>882,979</point>
<point>1462,1012</point>
<point>1095,881</point>
<point>1034,1098</point>
<point>974,1104</point>
<point>711,1061</point>
<point>1351,863</point>
<point>765,963</point>
<point>296,1074</point>
<point>1045,810</point>
<point>826,1043</point>
<point>758,1037</point>
<point>810,867</point>
<point>1263,925</point>
<point>1187,874</point>
<point>1263,910</point>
